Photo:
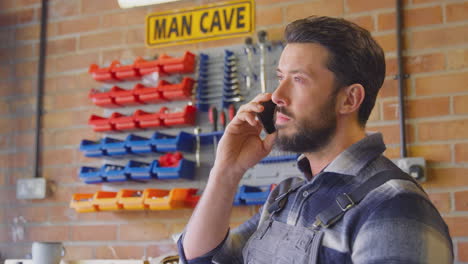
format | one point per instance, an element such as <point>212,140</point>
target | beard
<point>313,133</point>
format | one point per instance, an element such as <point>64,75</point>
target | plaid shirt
<point>394,223</point>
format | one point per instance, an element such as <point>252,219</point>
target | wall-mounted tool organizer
<point>180,103</point>
<point>159,199</point>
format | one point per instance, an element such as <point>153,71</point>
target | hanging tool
<point>213,117</point>
<point>262,40</point>
<point>231,111</point>
<point>249,51</point>
<point>222,119</point>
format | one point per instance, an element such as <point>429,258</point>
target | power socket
<point>31,188</point>
<point>415,167</point>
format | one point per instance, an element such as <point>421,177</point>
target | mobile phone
<point>266,117</point>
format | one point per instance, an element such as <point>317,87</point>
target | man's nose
<point>281,94</point>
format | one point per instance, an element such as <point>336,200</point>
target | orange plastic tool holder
<point>107,201</point>
<point>100,124</point>
<point>148,94</point>
<point>126,72</point>
<point>145,119</point>
<point>182,90</point>
<point>104,99</point>
<point>147,67</point>
<point>104,74</point>
<point>184,118</point>
<point>123,122</point>
<point>126,97</point>
<point>174,200</point>
<point>132,199</point>
<point>83,203</point>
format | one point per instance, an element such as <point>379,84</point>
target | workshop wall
<point>81,32</point>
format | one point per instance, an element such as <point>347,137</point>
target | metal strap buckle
<point>347,206</point>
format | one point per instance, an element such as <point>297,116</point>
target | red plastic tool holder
<point>100,124</point>
<point>146,120</point>
<point>180,91</point>
<point>126,97</point>
<point>192,199</point>
<point>126,72</point>
<point>184,118</point>
<point>105,99</point>
<point>122,122</point>
<point>186,64</point>
<point>149,94</point>
<point>147,67</point>
<point>170,159</point>
<point>104,74</point>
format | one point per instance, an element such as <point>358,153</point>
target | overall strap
<point>280,201</point>
<point>346,201</point>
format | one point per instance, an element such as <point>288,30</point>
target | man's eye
<point>298,79</point>
<point>280,78</point>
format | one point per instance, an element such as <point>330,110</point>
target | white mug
<point>47,252</point>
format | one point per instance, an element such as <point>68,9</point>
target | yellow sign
<point>217,21</point>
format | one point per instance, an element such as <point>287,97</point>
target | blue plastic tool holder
<point>91,175</point>
<point>279,159</point>
<point>207,138</point>
<point>185,170</point>
<point>139,145</point>
<point>139,170</point>
<point>114,173</point>
<point>115,147</point>
<point>252,195</point>
<point>237,200</point>
<point>168,143</point>
<point>92,149</point>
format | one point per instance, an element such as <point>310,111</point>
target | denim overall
<point>279,243</point>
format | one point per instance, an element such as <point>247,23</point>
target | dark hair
<point>355,57</point>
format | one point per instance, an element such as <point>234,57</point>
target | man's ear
<point>351,98</point>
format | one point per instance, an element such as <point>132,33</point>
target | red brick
<point>60,46</point>
<point>443,130</point>
<point>60,9</point>
<point>60,175</point>
<point>61,214</point>
<point>461,152</point>
<point>130,17</point>
<point>387,42</point>
<point>441,201</point>
<point>460,104</point>
<point>417,108</point>
<point>364,5</point>
<point>91,6</point>
<point>321,7</point>
<point>4,237</point>
<point>457,59</point>
<point>446,178</point>
<point>375,114</point>
<point>16,160</point>
<point>463,251</point>
<point>391,133</point>
<point>71,83</point>
<point>26,69</point>
<point>269,16</point>
<point>391,66</point>
<point>160,249</point>
<point>276,33</point>
<point>441,84</point>
<point>18,17</point>
<point>59,194</point>
<point>461,201</point>
<point>29,32</point>
<point>389,88</point>
<point>412,18</point>
<point>78,252</point>
<point>58,120</point>
<point>94,233</point>
<point>425,1</point>
<point>75,61</point>
<point>457,226</point>
<point>213,43</point>
<point>68,137</point>
<point>432,153</point>
<point>440,37</point>
<point>456,12</point>
<point>48,233</point>
<point>135,36</point>
<point>424,63</point>
<point>146,232</point>
<point>57,157</point>
<point>78,25</point>
<point>366,22</point>
<point>271,2</point>
<point>120,252</point>
<point>121,54</point>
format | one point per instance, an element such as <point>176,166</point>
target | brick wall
<point>81,32</point>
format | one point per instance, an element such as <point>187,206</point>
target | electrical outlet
<point>415,167</point>
<point>32,188</point>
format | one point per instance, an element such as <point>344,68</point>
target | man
<point>329,75</point>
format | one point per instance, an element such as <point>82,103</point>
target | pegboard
<point>245,64</point>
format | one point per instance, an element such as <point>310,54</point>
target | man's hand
<point>241,146</point>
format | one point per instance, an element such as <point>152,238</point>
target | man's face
<point>306,115</point>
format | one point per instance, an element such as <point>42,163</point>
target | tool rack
<point>146,117</point>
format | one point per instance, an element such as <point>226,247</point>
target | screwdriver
<point>231,111</point>
<point>222,119</point>
<point>213,117</point>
